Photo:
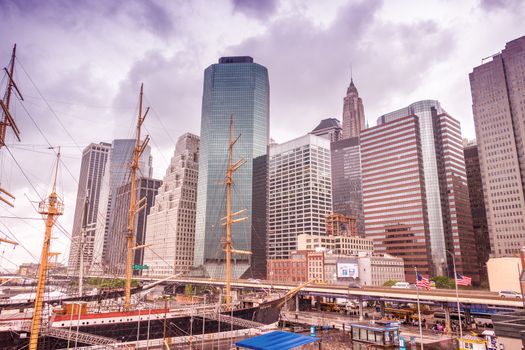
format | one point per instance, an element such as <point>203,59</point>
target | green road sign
<point>140,267</point>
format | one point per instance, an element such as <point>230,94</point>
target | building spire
<point>351,87</point>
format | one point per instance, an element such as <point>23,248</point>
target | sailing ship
<point>73,322</point>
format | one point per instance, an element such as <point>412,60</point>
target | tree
<point>389,283</point>
<point>188,289</point>
<point>444,282</point>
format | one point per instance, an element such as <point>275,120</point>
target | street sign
<point>140,267</point>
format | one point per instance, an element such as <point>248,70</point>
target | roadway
<point>378,293</point>
<point>434,295</point>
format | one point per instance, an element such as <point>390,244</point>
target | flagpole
<point>457,294</point>
<point>419,312</point>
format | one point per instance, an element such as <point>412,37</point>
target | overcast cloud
<point>81,64</point>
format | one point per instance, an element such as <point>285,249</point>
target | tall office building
<point>477,208</point>
<point>498,95</point>
<point>260,218</point>
<point>116,174</point>
<point>446,191</point>
<point>94,158</point>
<point>238,86</point>
<point>330,129</point>
<point>394,200</point>
<point>146,189</point>
<point>353,112</point>
<point>347,195</point>
<point>171,223</point>
<point>300,195</point>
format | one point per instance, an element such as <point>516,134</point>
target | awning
<point>277,340</point>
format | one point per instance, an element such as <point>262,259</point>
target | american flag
<point>463,280</point>
<point>422,281</point>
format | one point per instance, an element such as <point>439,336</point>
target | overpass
<point>435,296</point>
<point>377,293</point>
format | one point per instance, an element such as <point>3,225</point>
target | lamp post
<point>457,293</point>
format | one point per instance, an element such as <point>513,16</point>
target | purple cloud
<point>261,9</point>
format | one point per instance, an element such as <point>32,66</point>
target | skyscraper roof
<point>328,123</point>
<point>351,87</point>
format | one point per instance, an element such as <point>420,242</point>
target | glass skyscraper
<point>238,86</point>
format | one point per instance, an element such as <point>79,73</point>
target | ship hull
<point>266,313</point>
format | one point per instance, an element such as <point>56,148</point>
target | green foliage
<point>108,283</point>
<point>188,289</point>
<point>390,283</point>
<point>444,282</point>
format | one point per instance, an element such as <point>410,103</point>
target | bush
<point>444,282</point>
<point>389,283</point>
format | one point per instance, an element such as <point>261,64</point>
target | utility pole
<point>51,207</point>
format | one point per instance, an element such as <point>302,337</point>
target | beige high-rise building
<point>353,112</point>
<point>171,223</point>
<point>300,193</point>
<point>498,104</point>
<point>94,158</point>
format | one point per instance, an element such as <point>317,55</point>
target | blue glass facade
<point>239,86</point>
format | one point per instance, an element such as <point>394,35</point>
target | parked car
<point>401,285</point>
<point>510,294</point>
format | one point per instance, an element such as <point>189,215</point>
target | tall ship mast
<point>230,217</point>
<point>140,146</point>
<point>7,121</point>
<point>50,208</point>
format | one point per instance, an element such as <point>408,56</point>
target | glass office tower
<point>238,86</point>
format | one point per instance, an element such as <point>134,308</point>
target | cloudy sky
<point>80,64</point>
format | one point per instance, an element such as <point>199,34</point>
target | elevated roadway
<point>337,291</point>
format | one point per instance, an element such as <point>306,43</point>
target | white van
<point>401,285</point>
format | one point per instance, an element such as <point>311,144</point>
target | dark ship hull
<point>266,313</point>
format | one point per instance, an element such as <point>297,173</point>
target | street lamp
<point>457,294</point>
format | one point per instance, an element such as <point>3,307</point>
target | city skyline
<point>86,115</point>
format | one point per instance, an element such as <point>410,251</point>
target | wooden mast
<point>52,207</point>
<point>140,146</point>
<point>228,244</point>
<point>7,120</point>
<point>81,243</point>
<point>5,240</point>
<point>229,215</point>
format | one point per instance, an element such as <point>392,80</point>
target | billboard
<point>347,270</point>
